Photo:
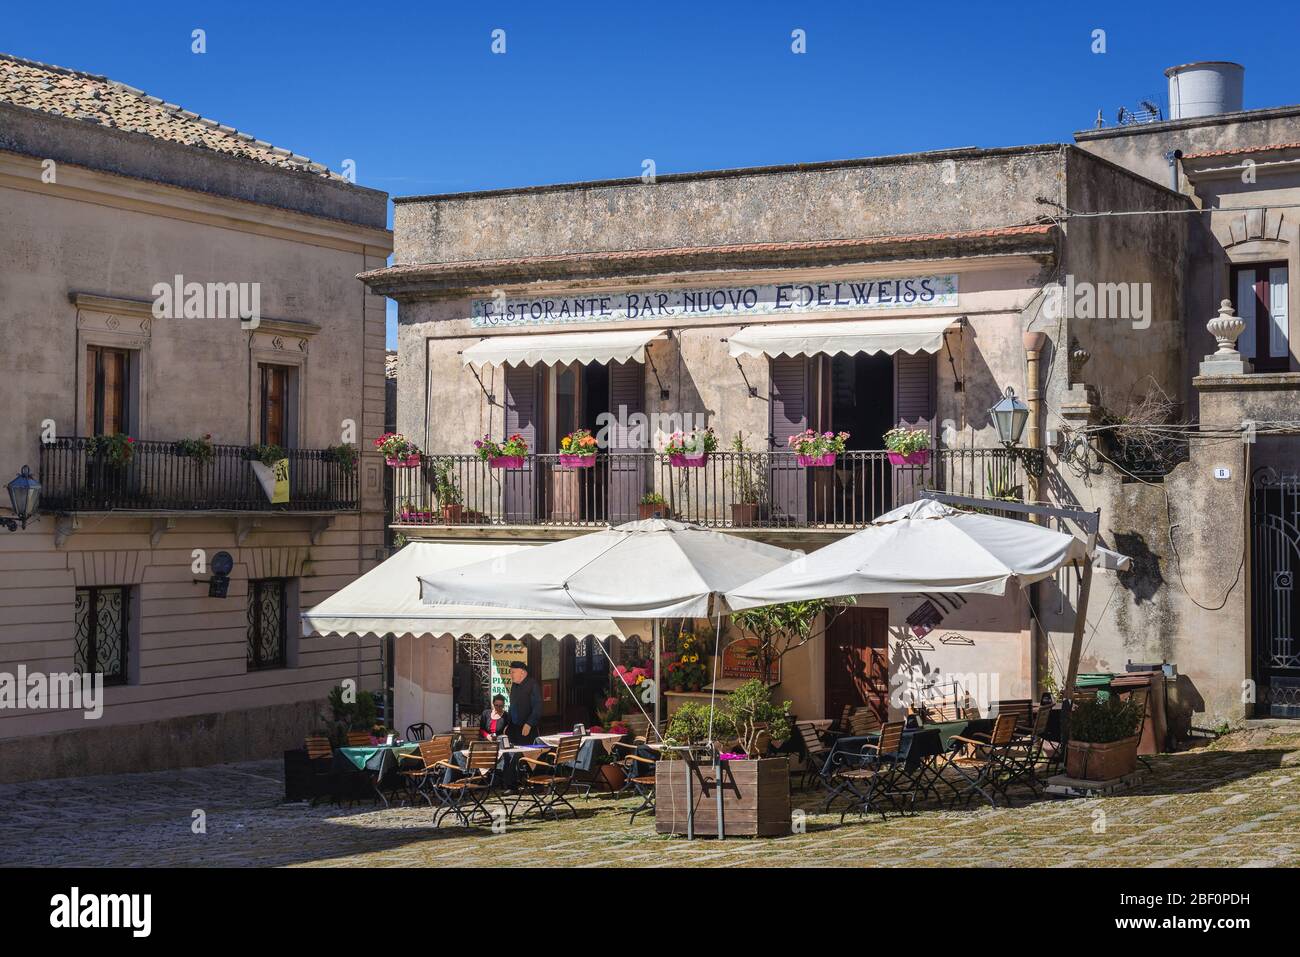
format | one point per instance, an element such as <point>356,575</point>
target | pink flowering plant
<point>692,444</point>
<point>813,443</point>
<point>394,445</point>
<point>513,447</point>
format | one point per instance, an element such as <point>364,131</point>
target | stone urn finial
<point>1226,327</point>
<point>1079,357</point>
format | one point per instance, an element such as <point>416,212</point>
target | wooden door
<point>107,392</point>
<point>788,415</point>
<point>523,416</point>
<point>628,472</point>
<point>857,661</point>
<point>274,425</point>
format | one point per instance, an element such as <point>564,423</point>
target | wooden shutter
<point>627,472</point>
<point>914,390</point>
<point>788,415</point>
<point>1278,346</point>
<point>107,390</point>
<point>275,398</point>
<point>1246,311</point>
<point>523,414</point>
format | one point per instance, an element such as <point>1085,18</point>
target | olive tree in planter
<point>780,629</point>
<point>1103,739</point>
<point>755,790</point>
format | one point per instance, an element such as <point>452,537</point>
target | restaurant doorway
<point>857,661</point>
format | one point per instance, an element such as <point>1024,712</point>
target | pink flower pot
<point>919,457</point>
<point>811,461</point>
<point>686,460</point>
<point>578,461</point>
<point>506,461</point>
<point>407,462</point>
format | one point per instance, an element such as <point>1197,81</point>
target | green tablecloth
<point>364,757</point>
<point>951,729</point>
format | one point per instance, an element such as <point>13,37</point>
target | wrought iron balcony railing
<point>726,490</point>
<point>77,475</point>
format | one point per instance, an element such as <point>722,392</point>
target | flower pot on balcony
<point>919,457</point>
<point>744,514</point>
<point>688,460</point>
<point>577,461</point>
<point>453,514</point>
<point>755,798</point>
<point>506,462</point>
<point>816,461</point>
<point>411,517</point>
<point>646,511</point>
<point>411,461</point>
<point>1101,762</point>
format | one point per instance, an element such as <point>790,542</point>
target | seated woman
<point>495,721</point>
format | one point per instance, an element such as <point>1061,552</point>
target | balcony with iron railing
<point>760,490</point>
<point>79,475</point>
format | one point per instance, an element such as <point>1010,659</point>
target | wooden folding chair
<point>871,774</point>
<point>639,770</point>
<point>434,762</point>
<point>863,721</point>
<point>987,762</point>
<point>1026,751</point>
<point>815,752</point>
<point>358,739</point>
<point>549,779</point>
<point>475,787</point>
<point>320,756</point>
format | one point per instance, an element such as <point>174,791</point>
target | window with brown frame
<point>1259,296</point>
<point>274,399</point>
<point>107,390</point>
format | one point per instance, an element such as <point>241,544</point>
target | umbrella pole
<point>1076,642</point>
<point>659,680</point>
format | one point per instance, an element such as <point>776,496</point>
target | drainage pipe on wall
<point>1033,343</point>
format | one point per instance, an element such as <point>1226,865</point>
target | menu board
<point>738,661</point>
<point>504,651</point>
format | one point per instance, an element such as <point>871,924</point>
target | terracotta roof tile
<point>1237,150</point>
<point>650,255</point>
<point>97,99</point>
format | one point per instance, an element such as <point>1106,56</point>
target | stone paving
<point>1233,803</point>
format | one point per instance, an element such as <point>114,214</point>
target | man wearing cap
<point>525,703</point>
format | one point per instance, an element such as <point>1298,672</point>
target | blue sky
<point>415,96</point>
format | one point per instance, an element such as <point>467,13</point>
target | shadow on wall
<point>1143,578</point>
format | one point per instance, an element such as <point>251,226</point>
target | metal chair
<point>815,752</point>
<point>475,788</point>
<point>434,759</point>
<point>358,739</point>
<point>873,772</point>
<point>418,732</point>
<point>988,761</point>
<point>549,779</point>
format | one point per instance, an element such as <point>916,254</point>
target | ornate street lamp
<point>24,497</point>
<point>1009,416</point>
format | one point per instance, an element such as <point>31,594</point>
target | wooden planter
<point>1085,761</point>
<point>744,514</point>
<point>755,798</point>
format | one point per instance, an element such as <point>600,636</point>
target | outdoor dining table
<point>379,761</point>
<point>586,759</point>
<point>507,763</point>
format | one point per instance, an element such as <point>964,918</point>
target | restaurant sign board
<point>739,661</point>
<point>720,302</point>
<point>504,651</point>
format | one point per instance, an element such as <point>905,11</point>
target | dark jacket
<point>503,724</point>
<point>526,705</point>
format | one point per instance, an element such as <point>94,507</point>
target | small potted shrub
<point>747,478</point>
<point>817,448</point>
<point>447,490</point>
<point>578,449</point>
<point>408,514</point>
<point>200,450</point>
<point>507,454</point>
<point>690,449</point>
<point>398,451</point>
<point>653,505</point>
<point>345,456</point>
<point>115,450</point>
<point>1103,739</point>
<point>908,446</point>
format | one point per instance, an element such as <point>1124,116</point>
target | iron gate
<point>1275,602</point>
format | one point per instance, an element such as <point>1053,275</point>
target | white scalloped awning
<point>886,336</point>
<point>561,347</point>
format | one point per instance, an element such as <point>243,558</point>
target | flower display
<point>397,448</point>
<point>814,444</point>
<point>688,670</point>
<point>578,442</point>
<point>116,449</point>
<point>693,444</point>
<point>906,441</point>
<point>488,448</point>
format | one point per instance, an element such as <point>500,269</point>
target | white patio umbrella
<point>650,569</point>
<point>920,548</point>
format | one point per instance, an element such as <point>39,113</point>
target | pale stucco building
<point>106,193</point>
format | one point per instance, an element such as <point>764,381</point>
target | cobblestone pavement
<point>1231,804</point>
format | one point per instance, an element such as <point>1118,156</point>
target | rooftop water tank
<point>1205,88</point>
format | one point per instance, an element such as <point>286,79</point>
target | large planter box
<point>1085,761</point>
<point>755,798</point>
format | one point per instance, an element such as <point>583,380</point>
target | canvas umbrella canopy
<point>924,547</point>
<point>649,569</point>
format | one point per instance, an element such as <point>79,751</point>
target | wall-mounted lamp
<point>24,498</point>
<point>1009,416</point>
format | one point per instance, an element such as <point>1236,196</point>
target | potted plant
<point>690,449</point>
<point>115,450</point>
<point>817,448</point>
<point>447,490</point>
<point>578,449</point>
<point>200,450</point>
<point>777,630</point>
<point>908,446</point>
<point>410,515</point>
<point>755,789</point>
<point>398,451</point>
<point>1103,739</point>
<point>345,455</point>
<point>747,481</point>
<point>508,454</point>
<point>689,669</point>
<point>653,505</point>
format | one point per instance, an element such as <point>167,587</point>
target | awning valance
<point>561,347</point>
<point>386,600</point>
<point>831,338</point>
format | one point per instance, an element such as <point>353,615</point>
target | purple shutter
<point>627,471</point>
<point>788,411</point>
<point>914,409</point>
<point>522,416</point>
